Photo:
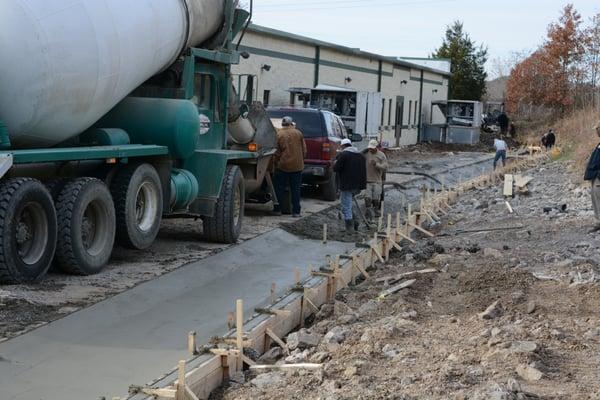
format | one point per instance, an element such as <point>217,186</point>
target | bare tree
<point>502,66</point>
<point>592,58</point>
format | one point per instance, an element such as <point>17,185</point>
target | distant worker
<point>289,164</point>
<point>501,148</point>
<point>550,139</point>
<point>544,140</point>
<point>351,170</point>
<point>592,174</point>
<point>377,166</point>
<point>512,130</point>
<point>503,122</point>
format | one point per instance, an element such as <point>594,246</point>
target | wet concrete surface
<point>140,334</point>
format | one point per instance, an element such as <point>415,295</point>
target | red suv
<point>323,131</point>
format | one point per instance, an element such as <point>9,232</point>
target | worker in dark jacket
<point>550,139</point>
<point>503,122</point>
<point>592,174</point>
<point>351,168</point>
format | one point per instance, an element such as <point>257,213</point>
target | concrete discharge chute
<point>66,63</point>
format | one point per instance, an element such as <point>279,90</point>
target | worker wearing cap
<point>289,164</point>
<point>501,148</point>
<point>351,170</point>
<point>377,166</point>
<point>592,174</point>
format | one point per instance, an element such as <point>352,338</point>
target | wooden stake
<point>395,245</point>
<point>356,264</point>
<point>277,340</point>
<point>181,381</point>
<point>286,366</point>
<point>403,236</point>
<point>379,256</point>
<point>324,233</point>
<point>408,219</point>
<point>192,348</point>
<point>309,301</point>
<point>273,292</point>
<point>239,323</point>
<point>426,232</point>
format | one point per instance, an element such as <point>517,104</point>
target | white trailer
<point>360,110</point>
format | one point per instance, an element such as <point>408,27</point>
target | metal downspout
<point>420,107</point>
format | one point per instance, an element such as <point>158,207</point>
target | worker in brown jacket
<point>289,164</point>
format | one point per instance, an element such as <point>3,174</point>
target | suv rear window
<point>309,123</point>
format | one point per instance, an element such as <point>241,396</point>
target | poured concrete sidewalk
<point>140,334</point>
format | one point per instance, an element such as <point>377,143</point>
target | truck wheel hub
<point>146,206</point>
<point>88,229</point>
<point>31,233</point>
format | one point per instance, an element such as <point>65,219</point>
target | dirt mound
<point>509,314</point>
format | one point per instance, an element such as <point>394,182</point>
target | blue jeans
<point>346,202</point>
<point>293,180</point>
<point>500,154</point>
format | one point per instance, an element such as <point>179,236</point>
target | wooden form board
<point>208,375</point>
<point>508,185</point>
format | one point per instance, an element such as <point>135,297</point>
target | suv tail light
<point>326,150</point>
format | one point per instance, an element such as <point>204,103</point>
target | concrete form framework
<point>197,377</point>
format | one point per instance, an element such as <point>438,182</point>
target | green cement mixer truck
<point>114,115</point>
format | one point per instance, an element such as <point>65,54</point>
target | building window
<point>266,98</point>
<point>382,110</point>
<point>409,111</point>
<point>416,111</point>
<point>389,112</point>
<point>292,99</point>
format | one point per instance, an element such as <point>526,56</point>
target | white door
<point>362,99</point>
<point>374,113</point>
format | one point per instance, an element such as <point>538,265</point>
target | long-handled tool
<point>360,213</point>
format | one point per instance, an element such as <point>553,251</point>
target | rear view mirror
<point>356,137</point>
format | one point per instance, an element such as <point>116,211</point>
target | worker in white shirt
<point>501,147</point>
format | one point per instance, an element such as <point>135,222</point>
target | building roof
<point>342,49</point>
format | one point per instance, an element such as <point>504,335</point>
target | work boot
<point>369,214</point>
<point>349,225</point>
<point>377,208</point>
<point>356,225</point>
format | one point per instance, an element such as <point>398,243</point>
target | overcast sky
<point>414,28</point>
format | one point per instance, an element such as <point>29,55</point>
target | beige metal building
<point>285,67</point>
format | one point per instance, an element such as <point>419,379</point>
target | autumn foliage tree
<point>554,76</point>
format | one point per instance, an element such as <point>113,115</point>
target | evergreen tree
<point>468,63</point>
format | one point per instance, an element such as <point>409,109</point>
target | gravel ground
<point>509,314</point>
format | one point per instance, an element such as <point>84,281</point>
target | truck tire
<point>138,197</point>
<point>329,190</point>
<point>55,186</point>
<point>86,227</point>
<point>27,230</point>
<point>226,224</point>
